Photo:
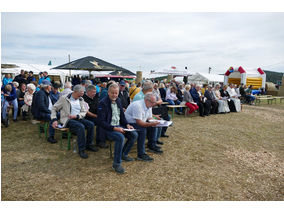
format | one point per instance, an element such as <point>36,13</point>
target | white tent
<point>169,71</point>
<point>36,68</point>
<point>205,78</point>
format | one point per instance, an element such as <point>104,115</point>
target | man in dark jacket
<point>31,78</point>
<point>123,95</point>
<point>10,97</point>
<point>92,99</point>
<point>211,101</point>
<point>111,117</point>
<point>42,105</point>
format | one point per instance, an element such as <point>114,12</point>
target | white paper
<point>130,130</point>
<point>165,124</point>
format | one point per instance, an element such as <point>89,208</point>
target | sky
<point>147,41</point>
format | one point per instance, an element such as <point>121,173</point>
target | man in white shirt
<point>138,114</point>
<point>234,97</point>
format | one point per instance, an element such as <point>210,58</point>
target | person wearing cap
<point>42,105</point>
<point>123,95</point>
<point>31,77</point>
<point>54,93</point>
<point>73,110</point>
<point>40,78</point>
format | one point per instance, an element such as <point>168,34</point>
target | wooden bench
<point>269,100</point>
<point>280,98</point>
<point>173,108</point>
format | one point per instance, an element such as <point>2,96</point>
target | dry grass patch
<point>236,156</point>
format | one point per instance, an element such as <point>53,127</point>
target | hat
<point>122,82</point>
<point>46,82</point>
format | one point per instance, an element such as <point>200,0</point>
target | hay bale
<point>271,89</point>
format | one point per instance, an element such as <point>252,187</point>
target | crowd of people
<point>97,112</point>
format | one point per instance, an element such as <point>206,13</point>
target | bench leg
<point>69,140</point>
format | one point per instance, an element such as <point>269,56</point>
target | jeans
<point>78,127</point>
<point>5,106</point>
<point>141,138</point>
<point>177,102</point>
<point>158,134</point>
<point>119,148</point>
<point>152,136</point>
<point>100,132</point>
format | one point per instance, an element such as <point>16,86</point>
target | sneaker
<point>92,148</point>
<point>51,140</point>
<point>145,157</point>
<point>126,158</point>
<point>118,168</point>
<point>155,150</point>
<point>83,154</point>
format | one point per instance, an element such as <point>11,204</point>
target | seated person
<point>223,106</point>
<point>138,114</point>
<point>10,98</point>
<point>20,96</point>
<point>234,97</point>
<point>91,97</point>
<point>111,117</point>
<point>172,99</point>
<point>211,100</point>
<point>28,98</point>
<point>226,96</point>
<point>41,107</point>
<point>249,97</point>
<point>73,110</point>
<point>67,89</point>
<point>188,100</point>
<point>54,93</point>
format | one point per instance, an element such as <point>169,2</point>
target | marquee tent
<point>205,78</point>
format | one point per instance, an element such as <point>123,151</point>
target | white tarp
<point>202,78</point>
<point>36,68</point>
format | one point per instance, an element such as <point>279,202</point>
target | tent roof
<point>91,63</point>
<point>169,71</point>
<point>207,77</point>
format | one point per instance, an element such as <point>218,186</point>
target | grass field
<point>236,156</point>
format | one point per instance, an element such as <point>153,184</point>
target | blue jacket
<point>105,114</point>
<point>13,94</point>
<point>194,95</point>
<point>40,104</point>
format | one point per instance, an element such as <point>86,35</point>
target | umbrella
<point>91,63</point>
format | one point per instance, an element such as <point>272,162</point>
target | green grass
<point>236,156</point>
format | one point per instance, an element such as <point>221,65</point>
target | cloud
<point>147,40</point>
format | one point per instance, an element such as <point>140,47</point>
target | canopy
<point>169,71</point>
<point>91,63</point>
<point>36,68</point>
<point>202,78</point>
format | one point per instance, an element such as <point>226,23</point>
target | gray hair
<point>78,88</point>
<point>15,83</point>
<point>216,85</point>
<point>147,85</point>
<point>149,95</point>
<point>67,84</point>
<point>91,87</point>
<point>113,85</point>
<point>31,86</point>
<point>88,82</point>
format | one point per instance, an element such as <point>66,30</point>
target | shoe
<point>24,119</point>
<point>179,113</point>
<point>83,154</point>
<point>119,169</point>
<point>92,148</point>
<point>164,136</point>
<point>126,158</point>
<point>51,140</point>
<point>155,150</point>
<point>156,147</point>
<point>160,142</point>
<point>145,158</point>
<point>103,145</point>
<point>15,120</point>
